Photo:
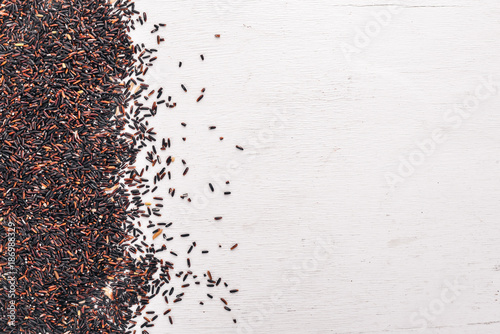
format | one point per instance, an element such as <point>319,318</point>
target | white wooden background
<point>334,102</point>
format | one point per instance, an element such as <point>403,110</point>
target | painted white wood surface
<point>325,116</point>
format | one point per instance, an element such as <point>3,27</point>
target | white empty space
<point>367,197</point>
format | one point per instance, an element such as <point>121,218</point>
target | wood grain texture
<point>325,244</point>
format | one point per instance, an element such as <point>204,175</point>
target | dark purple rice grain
<point>95,65</point>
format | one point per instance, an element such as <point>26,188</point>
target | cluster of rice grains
<point>71,127</point>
